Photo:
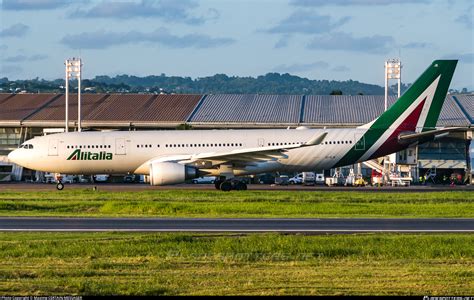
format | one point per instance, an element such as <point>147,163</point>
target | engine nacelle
<point>163,173</point>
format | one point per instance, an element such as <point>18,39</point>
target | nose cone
<point>13,156</point>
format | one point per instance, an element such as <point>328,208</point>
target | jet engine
<point>163,173</point>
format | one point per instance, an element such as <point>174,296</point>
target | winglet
<point>316,140</point>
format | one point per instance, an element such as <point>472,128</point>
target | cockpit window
<point>26,146</point>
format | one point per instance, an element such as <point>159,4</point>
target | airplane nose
<point>13,156</point>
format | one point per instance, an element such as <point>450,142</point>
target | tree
<point>336,92</point>
<point>184,126</point>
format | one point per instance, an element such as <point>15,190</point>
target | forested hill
<point>271,83</point>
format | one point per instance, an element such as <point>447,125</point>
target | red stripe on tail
<point>391,145</point>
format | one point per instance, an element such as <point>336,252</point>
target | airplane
<point>172,157</point>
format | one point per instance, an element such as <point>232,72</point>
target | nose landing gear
<point>59,186</point>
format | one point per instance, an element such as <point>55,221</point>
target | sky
<point>316,39</point>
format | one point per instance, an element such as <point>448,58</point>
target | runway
<point>138,187</point>
<point>338,225</point>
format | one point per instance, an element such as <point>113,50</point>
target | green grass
<point>257,264</point>
<point>191,203</point>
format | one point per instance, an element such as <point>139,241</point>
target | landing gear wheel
<point>241,186</point>
<point>226,186</point>
<point>60,186</point>
<point>217,184</point>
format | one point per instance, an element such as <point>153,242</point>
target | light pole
<point>73,70</point>
<point>393,70</point>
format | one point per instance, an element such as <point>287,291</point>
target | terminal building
<point>23,116</point>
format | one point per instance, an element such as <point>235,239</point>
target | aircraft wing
<point>244,156</point>
<point>252,155</point>
<point>427,135</point>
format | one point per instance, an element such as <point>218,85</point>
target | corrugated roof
<point>343,109</point>
<point>251,108</point>
<point>232,109</point>
<point>4,97</point>
<point>169,108</point>
<point>55,110</point>
<point>451,114</point>
<point>363,109</point>
<point>20,106</point>
<point>121,108</point>
<point>467,102</point>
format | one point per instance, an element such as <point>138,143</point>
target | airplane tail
<point>415,113</point>
<point>418,109</point>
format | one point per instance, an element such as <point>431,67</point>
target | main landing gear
<point>228,185</point>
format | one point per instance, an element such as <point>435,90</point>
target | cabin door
<point>53,147</point>
<point>360,141</point>
<point>120,148</point>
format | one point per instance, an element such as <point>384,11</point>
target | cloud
<point>467,58</point>
<point>3,47</point>
<point>416,45</point>
<point>21,58</point>
<point>466,19</point>
<point>283,41</point>
<point>37,57</point>
<point>318,3</point>
<point>16,30</point>
<point>340,69</point>
<point>301,68</point>
<point>16,58</point>
<point>161,36</point>
<point>168,10</point>
<point>306,22</point>
<point>34,4</point>
<point>10,69</point>
<point>377,44</point>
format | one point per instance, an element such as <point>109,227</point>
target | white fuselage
<point>119,152</point>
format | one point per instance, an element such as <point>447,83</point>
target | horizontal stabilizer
<point>427,135</point>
